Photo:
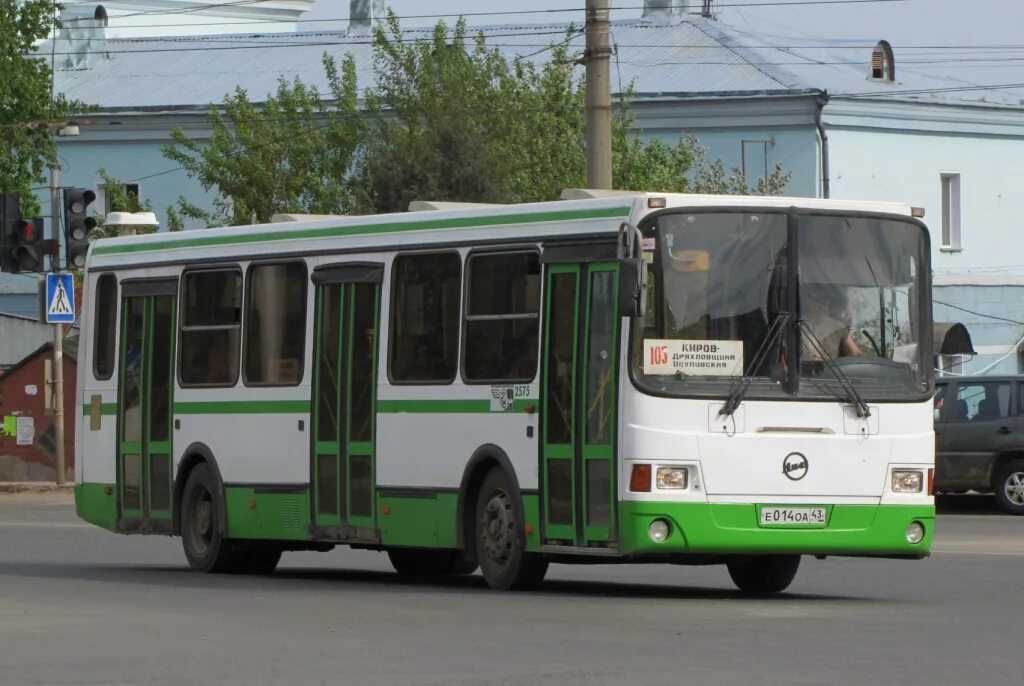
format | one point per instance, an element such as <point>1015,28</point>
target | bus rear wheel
<point>500,539</point>
<point>764,573</point>
<point>205,549</point>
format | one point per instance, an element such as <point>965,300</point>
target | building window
<point>951,238</point>
<point>107,197</point>
<point>425,318</point>
<point>275,324</point>
<point>502,312</point>
<point>105,318</point>
<point>883,68</point>
<point>210,326</point>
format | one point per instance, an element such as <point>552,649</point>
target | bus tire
<point>206,550</point>
<point>764,573</point>
<point>1007,487</point>
<point>500,539</point>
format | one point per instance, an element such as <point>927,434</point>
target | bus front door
<point>344,402</point>
<point>145,406</point>
<point>580,367</point>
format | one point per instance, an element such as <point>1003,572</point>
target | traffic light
<point>21,248</point>
<point>10,211</point>
<point>77,226</point>
<point>28,250</point>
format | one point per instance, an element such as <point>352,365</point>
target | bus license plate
<point>792,516</point>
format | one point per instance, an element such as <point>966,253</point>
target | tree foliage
<point>292,153</point>
<point>447,118</point>
<point>28,111</point>
<point>119,200</point>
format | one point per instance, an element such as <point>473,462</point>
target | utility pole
<point>58,330</point>
<point>599,96</point>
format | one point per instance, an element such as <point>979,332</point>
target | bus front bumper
<point>870,530</point>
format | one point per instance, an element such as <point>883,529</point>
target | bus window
<point>502,306</point>
<point>425,318</point>
<point>105,316</point>
<point>210,327</point>
<point>275,324</point>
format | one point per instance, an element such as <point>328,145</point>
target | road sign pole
<point>58,332</point>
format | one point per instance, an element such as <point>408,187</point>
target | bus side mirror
<point>631,287</point>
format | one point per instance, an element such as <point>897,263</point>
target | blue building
<point>848,119</point>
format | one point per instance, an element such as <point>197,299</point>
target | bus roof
<point>467,223</point>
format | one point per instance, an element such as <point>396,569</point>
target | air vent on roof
<point>883,68</point>
<point>362,14</point>
<point>664,12</point>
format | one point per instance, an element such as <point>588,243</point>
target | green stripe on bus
<point>105,409</point>
<point>450,406</point>
<point>243,407</point>
<point>390,227</point>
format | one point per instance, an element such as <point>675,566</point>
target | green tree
<point>291,153</point>
<point>120,200</point>
<point>28,110</point>
<point>447,118</point>
<point>455,120</point>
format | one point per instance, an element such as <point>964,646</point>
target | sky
<point>910,22</point>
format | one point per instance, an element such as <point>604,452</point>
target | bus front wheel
<point>205,549</point>
<point>764,573</point>
<point>500,538</point>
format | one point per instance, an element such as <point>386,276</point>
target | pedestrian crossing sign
<point>60,299</point>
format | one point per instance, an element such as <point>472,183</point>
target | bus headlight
<point>907,481</point>
<point>915,533</point>
<point>673,478</point>
<point>658,530</point>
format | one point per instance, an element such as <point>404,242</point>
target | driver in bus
<point>823,310</point>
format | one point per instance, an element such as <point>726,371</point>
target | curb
<point>35,487</point>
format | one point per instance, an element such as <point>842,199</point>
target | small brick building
<point>30,456</point>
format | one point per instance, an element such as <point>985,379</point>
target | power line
<point>979,314</point>
<point>495,13</point>
<point>186,10</point>
<point>311,44</point>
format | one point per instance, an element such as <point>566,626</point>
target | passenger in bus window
<point>823,310</point>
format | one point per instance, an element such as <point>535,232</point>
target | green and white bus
<point>629,377</point>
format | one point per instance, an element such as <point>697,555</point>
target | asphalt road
<point>82,606</point>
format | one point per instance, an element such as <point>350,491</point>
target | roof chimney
<point>664,12</point>
<point>362,14</point>
<point>83,36</point>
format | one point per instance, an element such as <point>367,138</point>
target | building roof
<point>70,351</point>
<point>694,57</point>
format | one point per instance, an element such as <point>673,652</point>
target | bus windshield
<point>729,296</point>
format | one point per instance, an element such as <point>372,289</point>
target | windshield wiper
<point>830,362</point>
<point>739,389</point>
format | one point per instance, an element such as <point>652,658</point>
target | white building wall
<point>981,285</point>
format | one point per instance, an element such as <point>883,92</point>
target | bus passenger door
<point>579,407</point>
<point>145,406</point>
<point>344,401</point>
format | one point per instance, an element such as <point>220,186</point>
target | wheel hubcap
<point>497,528</point>
<point>202,521</point>
<point>1014,488</point>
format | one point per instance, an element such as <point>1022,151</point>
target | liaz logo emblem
<point>794,466</point>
